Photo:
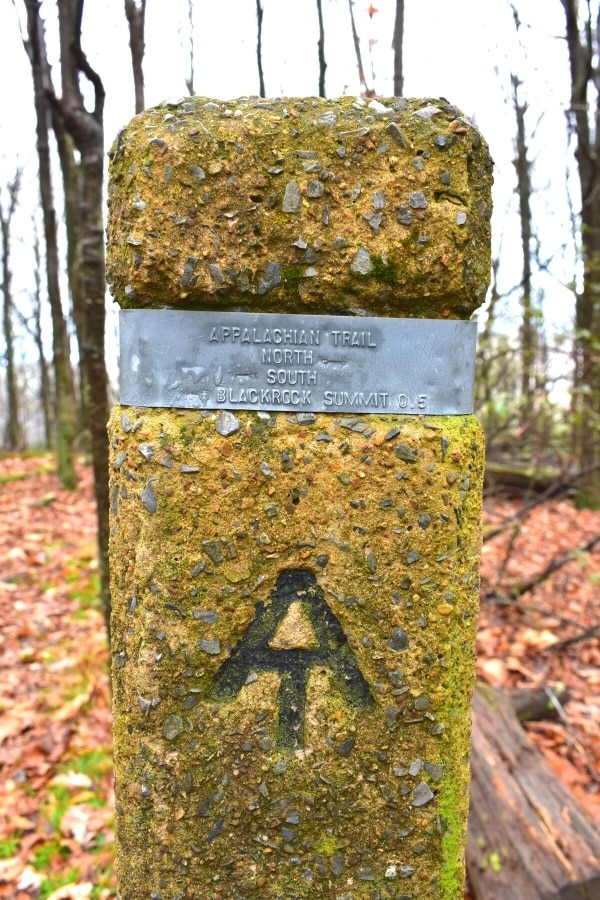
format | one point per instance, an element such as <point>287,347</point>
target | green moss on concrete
<point>454,807</point>
<point>292,277</point>
<point>200,781</point>
<point>226,205</point>
<point>386,272</point>
<point>328,845</point>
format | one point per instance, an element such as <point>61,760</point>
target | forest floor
<point>56,796</point>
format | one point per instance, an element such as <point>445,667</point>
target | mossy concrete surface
<point>289,205</point>
<point>294,614</point>
<point>295,596</point>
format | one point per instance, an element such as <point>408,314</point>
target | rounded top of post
<point>347,206</point>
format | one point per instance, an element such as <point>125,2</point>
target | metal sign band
<point>296,363</point>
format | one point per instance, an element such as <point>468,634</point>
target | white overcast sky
<point>463,50</point>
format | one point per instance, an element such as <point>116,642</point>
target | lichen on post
<point>295,593</point>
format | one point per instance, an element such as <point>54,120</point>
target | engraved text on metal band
<point>298,363</point>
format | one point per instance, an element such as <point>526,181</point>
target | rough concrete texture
<point>365,794</point>
<point>301,205</point>
<point>295,596</point>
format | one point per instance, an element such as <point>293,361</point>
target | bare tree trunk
<point>86,131</point>
<point>66,412</point>
<point>583,44</point>
<point>484,385</point>
<point>528,327</point>
<point>397,45</point>
<point>135,10</point>
<point>13,439</point>
<point>259,21</point>
<point>365,89</point>
<point>70,173</point>
<point>33,326</point>
<point>189,82</point>
<point>45,391</point>
<point>321,46</point>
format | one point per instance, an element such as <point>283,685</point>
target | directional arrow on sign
<point>290,635</point>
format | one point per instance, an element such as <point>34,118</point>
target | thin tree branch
<point>259,21</point>
<point>189,82</point>
<point>13,426</point>
<point>557,563</point>
<point>321,46</point>
<point>85,67</point>
<point>136,19</point>
<point>592,632</point>
<point>552,491</point>
<point>367,91</point>
<point>398,47</point>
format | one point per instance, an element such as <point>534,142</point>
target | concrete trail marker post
<point>296,493</point>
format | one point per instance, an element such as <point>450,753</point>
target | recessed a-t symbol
<point>292,634</point>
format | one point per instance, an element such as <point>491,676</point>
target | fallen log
<point>525,479</point>
<point>533,704</point>
<point>528,838</point>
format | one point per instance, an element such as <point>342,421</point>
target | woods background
<point>72,73</point>
<point>537,376</point>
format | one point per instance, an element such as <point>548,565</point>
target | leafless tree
<point>32,324</point>
<point>582,27</point>
<point>86,130</point>
<point>321,48</point>
<point>365,89</point>
<point>397,45</point>
<point>13,427</point>
<point>528,325</point>
<point>135,10</point>
<point>35,330</point>
<point>189,82</point>
<point>259,22</point>
<point>65,403</point>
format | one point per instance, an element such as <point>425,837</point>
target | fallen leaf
<point>72,780</point>
<point>84,822</point>
<point>16,720</point>
<point>10,869</point>
<point>21,823</point>
<point>74,891</point>
<point>74,706</point>
<point>493,671</point>
<point>540,640</point>
<point>30,880</point>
